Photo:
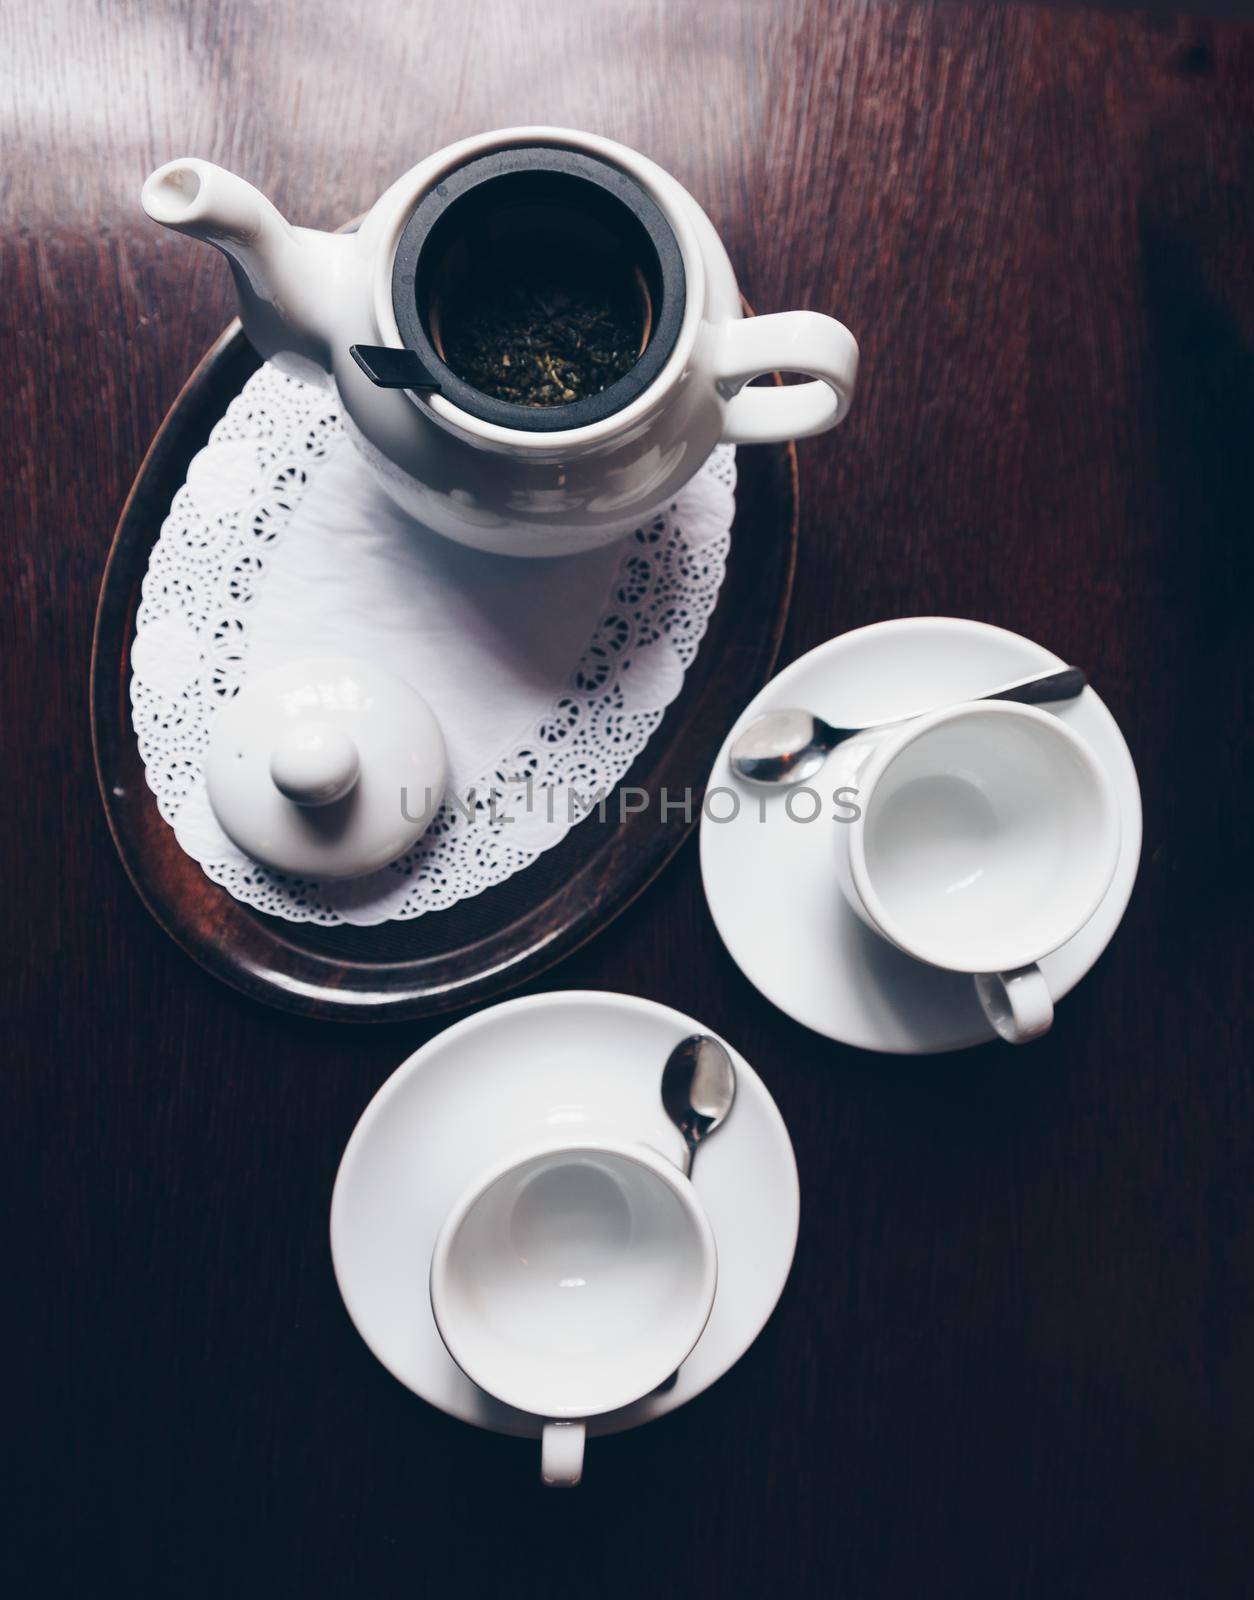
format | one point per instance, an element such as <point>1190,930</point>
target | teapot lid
<point>506,212</point>
<point>325,768</point>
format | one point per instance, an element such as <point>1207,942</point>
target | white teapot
<point>362,310</point>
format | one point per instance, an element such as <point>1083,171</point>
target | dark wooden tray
<point>476,950</point>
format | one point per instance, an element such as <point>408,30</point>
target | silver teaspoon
<point>787,746</point>
<point>698,1087</point>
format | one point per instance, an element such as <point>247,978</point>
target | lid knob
<point>314,763</point>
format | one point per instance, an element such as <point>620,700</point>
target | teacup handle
<point>561,1454</point>
<point>786,341</point>
<point>1017,1003</point>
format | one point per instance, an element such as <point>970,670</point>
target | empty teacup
<point>988,834</point>
<point>571,1280</point>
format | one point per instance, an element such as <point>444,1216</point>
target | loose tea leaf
<point>542,337</point>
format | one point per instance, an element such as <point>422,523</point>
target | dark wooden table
<point>1016,1356</point>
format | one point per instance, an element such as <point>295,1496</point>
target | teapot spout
<point>281,272</point>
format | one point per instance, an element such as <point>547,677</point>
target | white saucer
<point>579,1062</point>
<point>771,882</point>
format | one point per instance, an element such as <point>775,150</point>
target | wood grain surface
<point>1015,1355</point>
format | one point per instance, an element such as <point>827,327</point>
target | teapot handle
<point>786,341</point>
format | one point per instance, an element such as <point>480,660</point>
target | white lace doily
<point>547,676</point>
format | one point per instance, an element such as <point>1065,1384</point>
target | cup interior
<point>575,1281</point>
<point>988,839</point>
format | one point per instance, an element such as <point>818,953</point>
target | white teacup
<point>573,1279</point>
<point>987,836</point>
